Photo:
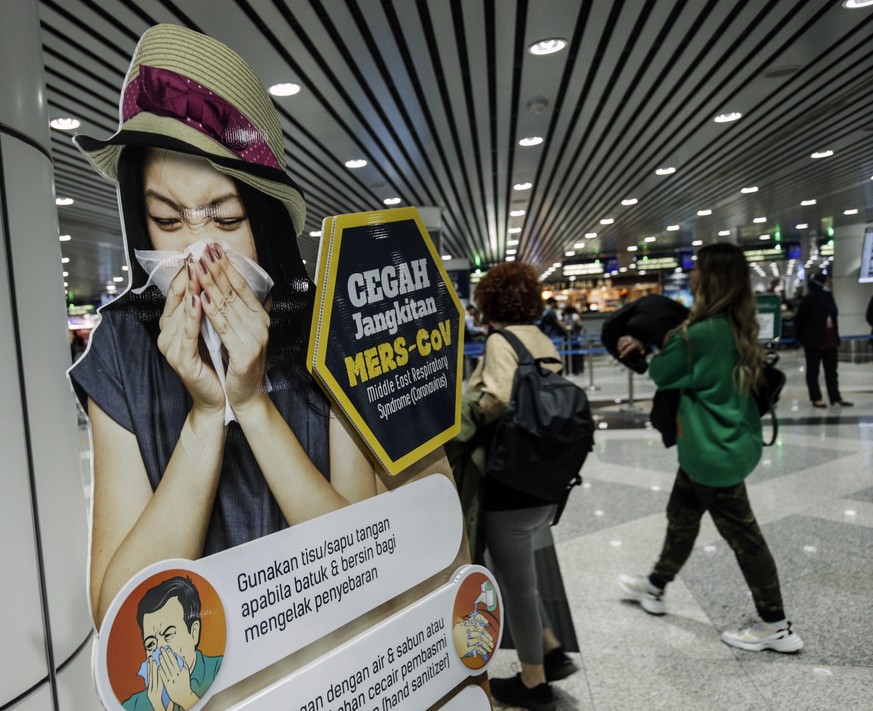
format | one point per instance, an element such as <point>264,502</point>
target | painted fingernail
<point>206,298</point>
<point>190,271</point>
<point>217,251</point>
<point>193,301</point>
<point>210,252</point>
<point>202,265</point>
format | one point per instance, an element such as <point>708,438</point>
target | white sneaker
<point>762,635</point>
<point>638,587</point>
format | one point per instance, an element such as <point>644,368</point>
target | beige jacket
<point>496,369</point>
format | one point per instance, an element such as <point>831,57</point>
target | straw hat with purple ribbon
<point>187,92</point>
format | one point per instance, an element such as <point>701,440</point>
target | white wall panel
<point>50,406</point>
<point>23,663</point>
<point>76,691</point>
<point>39,700</point>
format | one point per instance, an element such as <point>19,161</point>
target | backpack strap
<point>524,355</point>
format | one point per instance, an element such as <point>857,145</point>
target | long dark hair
<point>292,297</point>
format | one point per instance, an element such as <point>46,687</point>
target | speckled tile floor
<point>813,495</point>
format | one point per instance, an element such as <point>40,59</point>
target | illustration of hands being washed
<point>474,634</point>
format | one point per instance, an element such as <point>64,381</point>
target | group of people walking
<point>713,359</point>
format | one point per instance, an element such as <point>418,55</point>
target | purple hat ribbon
<point>165,93</point>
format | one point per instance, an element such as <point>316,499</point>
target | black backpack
<point>543,438</point>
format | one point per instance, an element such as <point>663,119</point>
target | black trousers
<point>732,515</point>
<point>827,357</point>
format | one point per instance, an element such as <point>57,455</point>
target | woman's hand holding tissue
<point>239,318</point>
<point>179,341</point>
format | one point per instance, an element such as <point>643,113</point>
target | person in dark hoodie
<point>819,334</point>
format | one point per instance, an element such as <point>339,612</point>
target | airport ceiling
<point>436,94</point>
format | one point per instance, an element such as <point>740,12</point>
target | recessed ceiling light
<point>622,269</point>
<point>65,238</point>
<point>514,230</point>
<point>632,248</point>
<point>697,243</point>
<point>855,4</point>
<point>751,189</point>
<point>510,258</point>
<point>547,46</point>
<point>571,253</point>
<point>64,123</point>
<point>522,186</point>
<point>759,219</point>
<point>724,233</point>
<point>447,257</point>
<point>665,171</point>
<point>607,221</point>
<point>511,242</point>
<point>801,226</point>
<point>704,213</point>
<point>356,163</point>
<point>286,89</point>
<point>391,201</point>
<point>822,154</point>
<point>727,118</point>
<point>629,202</point>
<point>852,211</point>
<point>590,235</point>
<point>517,213</point>
<point>672,228</point>
<point>530,141</point>
<point>65,274</point>
<point>650,239</point>
<point>764,237</point>
<point>315,233</point>
<point>64,201</point>
<point>124,268</point>
<point>118,280</point>
<point>66,284</point>
<point>512,251</point>
<point>805,203</point>
<point>65,260</point>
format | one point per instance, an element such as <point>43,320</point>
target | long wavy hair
<point>723,287</point>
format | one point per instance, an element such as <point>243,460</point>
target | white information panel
<point>275,595</point>
<point>409,661</point>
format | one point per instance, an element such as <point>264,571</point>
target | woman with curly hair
<point>508,297</point>
<point>715,360</point>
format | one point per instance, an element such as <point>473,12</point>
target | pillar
<point>43,512</point>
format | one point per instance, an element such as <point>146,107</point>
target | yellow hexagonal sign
<point>387,337</point>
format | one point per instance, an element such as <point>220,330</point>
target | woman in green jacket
<point>715,359</point>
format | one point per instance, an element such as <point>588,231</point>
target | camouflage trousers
<point>732,515</point>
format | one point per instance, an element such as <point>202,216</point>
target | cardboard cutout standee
<point>229,498</point>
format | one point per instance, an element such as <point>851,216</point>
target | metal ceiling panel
<point>436,94</point>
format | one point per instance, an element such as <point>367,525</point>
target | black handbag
<point>768,391</point>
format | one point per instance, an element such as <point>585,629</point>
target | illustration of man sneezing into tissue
<point>176,672</point>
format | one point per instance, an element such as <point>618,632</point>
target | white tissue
<point>162,266</point>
